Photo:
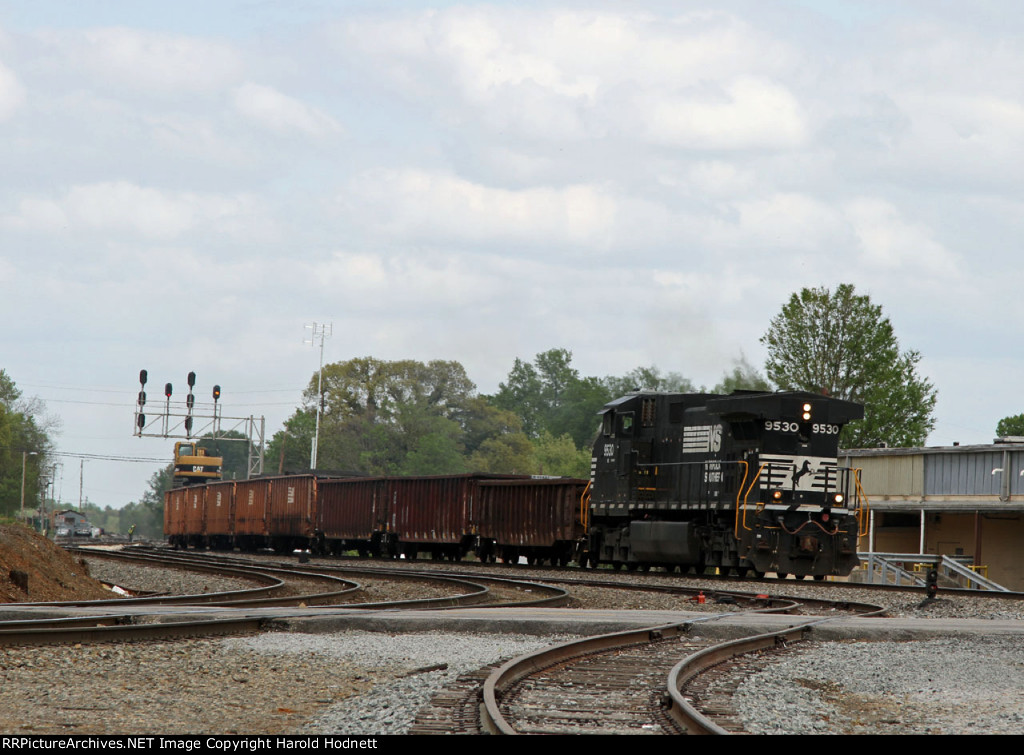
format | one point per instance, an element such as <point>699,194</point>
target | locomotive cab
<point>745,481</point>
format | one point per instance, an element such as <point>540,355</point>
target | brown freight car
<point>539,519</point>
<point>432,515</point>
<point>291,512</point>
<point>252,498</point>
<point>174,517</point>
<point>351,515</point>
<point>219,529</point>
<point>441,516</point>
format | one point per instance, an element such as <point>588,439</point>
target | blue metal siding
<point>963,474</point>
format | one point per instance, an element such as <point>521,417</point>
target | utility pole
<point>322,331</point>
<point>24,465</point>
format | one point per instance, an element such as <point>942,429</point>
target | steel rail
<point>245,570</point>
<point>120,632</point>
<point>548,595</point>
<point>686,714</point>
<point>506,675</point>
<point>476,592</point>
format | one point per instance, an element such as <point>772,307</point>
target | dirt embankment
<point>33,569</point>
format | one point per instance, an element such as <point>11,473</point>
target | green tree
<point>233,447</point>
<point>560,457</point>
<point>549,395</point>
<point>523,394</point>
<point>1011,426</point>
<point>840,344</point>
<point>25,446</point>
<point>511,453</point>
<point>375,414</point>
<point>148,514</point>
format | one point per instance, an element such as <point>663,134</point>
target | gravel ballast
<point>355,682</point>
<point>347,683</point>
<point>944,686</point>
<point>374,683</point>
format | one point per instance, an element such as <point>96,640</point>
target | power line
<point>111,457</point>
<point>96,457</point>
<point>121,390</point>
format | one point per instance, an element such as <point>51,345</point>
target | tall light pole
<point>322,332</point>
<point>24,465</point>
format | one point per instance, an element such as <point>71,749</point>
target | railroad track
<point>127,618</point>
<point>466,589</point>
<point>667,679</point>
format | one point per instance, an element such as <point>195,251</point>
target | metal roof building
<point>965,501</point>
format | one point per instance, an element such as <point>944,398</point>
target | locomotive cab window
<point>626,423</point>
<point>608,424</point>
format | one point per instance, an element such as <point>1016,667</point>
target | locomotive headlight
<point>807,412</point>
<point>839,498</point>
<point>777,495</point>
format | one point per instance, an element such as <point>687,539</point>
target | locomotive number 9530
<point>791,427</point>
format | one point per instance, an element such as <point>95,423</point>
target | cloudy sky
<point>184,186</point>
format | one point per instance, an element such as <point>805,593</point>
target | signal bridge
<point>188,419</point>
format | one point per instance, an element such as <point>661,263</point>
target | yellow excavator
<point>193,465</point>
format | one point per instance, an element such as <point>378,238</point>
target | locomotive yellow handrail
<point>739,492</point>
<point>747,494</point>
<point>585,506</point>
<point>863,507</point>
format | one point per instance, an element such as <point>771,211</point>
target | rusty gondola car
<point>219,515</point>
<point>444,516</point>
<point>539,519</point>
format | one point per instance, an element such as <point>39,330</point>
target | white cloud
<point>889,242</point>
<point>33,213</point>
<point>151,62</point>
<point>281,113</point>
<point>125,208</point>
<point>566,75</point>
<point>748,113</point>
<point>12,93</point>
<point>417,204</point>
<point>717,178</point>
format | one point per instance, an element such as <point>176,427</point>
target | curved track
<point>111,619</point>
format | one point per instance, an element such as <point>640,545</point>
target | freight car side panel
<point>251,499</point>
<point>219,509</point>
<point>351,509</point>
<point>174,512</point>
<point>193,510</point>
<point>432,510</point>
<point>290,506</point>
<point>531,513</point>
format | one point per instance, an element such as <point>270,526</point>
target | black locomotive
<point>743,482</point>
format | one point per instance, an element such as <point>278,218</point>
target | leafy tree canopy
<point>550,396</point>
<point>839,343</point>
<point>25,445</point>
<point>1010,426</point>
